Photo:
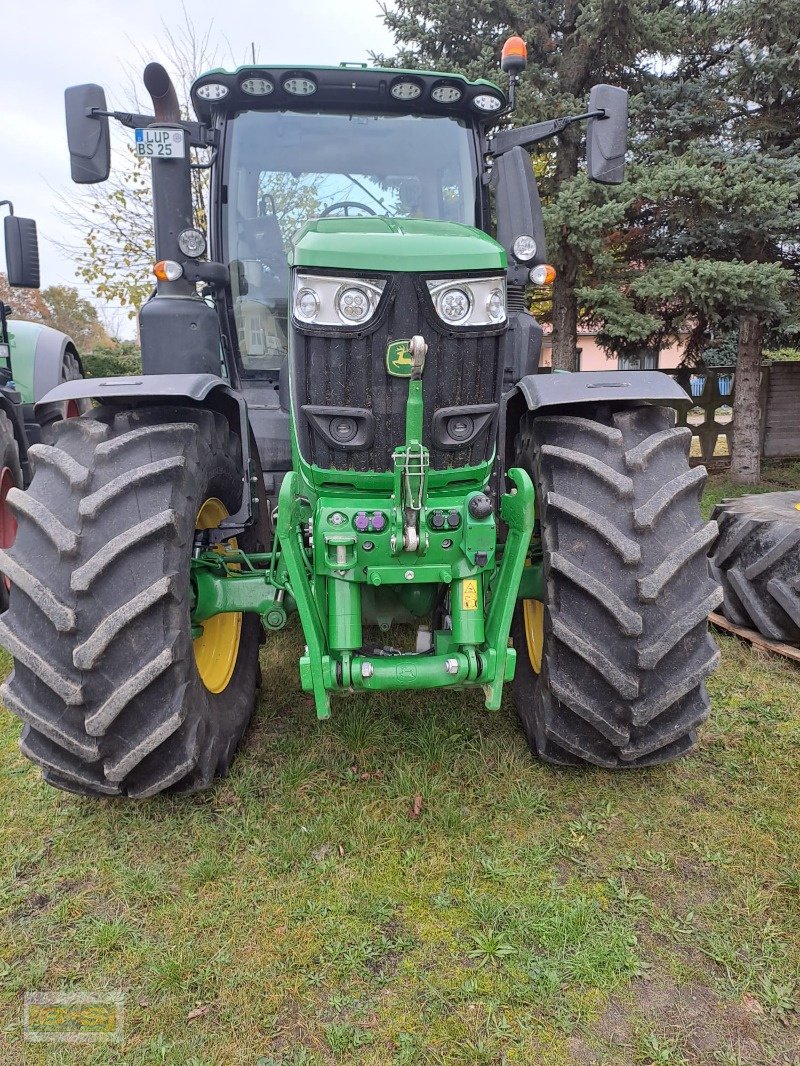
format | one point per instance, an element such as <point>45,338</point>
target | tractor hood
<point>395,244</point>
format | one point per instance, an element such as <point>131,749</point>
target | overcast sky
<point>52,44</point>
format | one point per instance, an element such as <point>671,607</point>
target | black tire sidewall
<point>226,713</point>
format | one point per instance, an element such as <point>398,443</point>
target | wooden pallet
<point>777,647</point>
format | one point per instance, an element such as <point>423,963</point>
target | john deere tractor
<point>340,416</point>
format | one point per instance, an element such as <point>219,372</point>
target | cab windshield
<point>286,168</point>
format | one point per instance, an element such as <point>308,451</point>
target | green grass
<point>301,912</point>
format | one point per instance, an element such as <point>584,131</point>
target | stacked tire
<point>756,559</point>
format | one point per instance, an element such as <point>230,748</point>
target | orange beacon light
<point>514,57</point>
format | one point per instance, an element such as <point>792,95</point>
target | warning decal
<point>469,594</point>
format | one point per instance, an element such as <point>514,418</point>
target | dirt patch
<point>614,1025</point>
<point>702,1023</point>
<point>580,1053</point>
<point>33,905</point>
<point>387,962</point>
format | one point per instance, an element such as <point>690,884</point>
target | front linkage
<point>342,560</point>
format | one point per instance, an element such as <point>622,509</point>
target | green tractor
<point>33,359</point>
<point>340,416</point>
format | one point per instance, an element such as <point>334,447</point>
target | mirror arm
<point>199,136</point>
<point>526,136</point>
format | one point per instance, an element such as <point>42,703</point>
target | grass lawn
<point>405,884</point>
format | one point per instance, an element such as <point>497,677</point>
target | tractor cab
<point>353,208</point>
<point>336,144</point>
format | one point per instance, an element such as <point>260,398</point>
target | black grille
<point>341,370</point>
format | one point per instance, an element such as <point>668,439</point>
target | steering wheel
<point>345,205</point>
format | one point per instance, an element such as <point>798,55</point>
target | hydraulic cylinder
<point>344,615</point>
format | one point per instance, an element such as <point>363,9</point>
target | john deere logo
<point>398,359</point>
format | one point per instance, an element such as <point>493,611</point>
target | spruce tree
<point>709,242</point>
<point>571,46</point>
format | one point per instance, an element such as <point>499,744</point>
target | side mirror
<point>607,138</point>
<point>519,210</point>
<point>22,252</point>
<point>87,134</point>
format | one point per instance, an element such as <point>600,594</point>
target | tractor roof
<point>348,87</point>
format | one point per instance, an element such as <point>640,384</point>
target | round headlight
<point>446,94</point>
<point>192,242</point>
<point>454,305</point>
<point>496,305</point>
<point>487,102</point>
<point>257,86</point>
<point>406,90</point>
<point>306,305</point>
<point>212,90</point>
<point>353,304</point>
<point>299,86</point>
<point>524,248</point>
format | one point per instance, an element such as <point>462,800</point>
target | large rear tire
<point>105,676</point>
<point>48,415</point>
<point>757,560</point>
<point>622,640</point>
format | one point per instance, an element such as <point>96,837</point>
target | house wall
<point>593,357</point>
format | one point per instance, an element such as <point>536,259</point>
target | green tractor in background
<point>340,416</point>
<point>33,359</point>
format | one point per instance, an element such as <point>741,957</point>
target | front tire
<point>624,639</point>
<point>105,675</point>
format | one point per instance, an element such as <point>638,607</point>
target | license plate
<point>160,143</point>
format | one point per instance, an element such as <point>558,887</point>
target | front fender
<point>143,387</point>
<point>203,390</point>
<point>600,386</point>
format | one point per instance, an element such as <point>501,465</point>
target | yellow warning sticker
<point>469,594</point>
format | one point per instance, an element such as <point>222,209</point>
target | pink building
<point>593,357</point>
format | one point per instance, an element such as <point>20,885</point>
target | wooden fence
<point>711,417</point>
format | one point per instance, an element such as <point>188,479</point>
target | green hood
<point>395,244</point>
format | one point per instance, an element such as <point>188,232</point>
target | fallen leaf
<point>416,807</point>
<point>751,1004</point>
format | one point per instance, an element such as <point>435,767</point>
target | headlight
<point>524,248</point>
<point>306,305</point>
<point>212,90</point>
<point>353,304</point>
<point>453,304</point>
<point>469,301</point>
<point>487,102</point>
<point>320,300</point>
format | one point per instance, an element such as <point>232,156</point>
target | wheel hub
<point>217,648</point>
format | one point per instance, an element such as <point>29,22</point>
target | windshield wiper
<point>363,188</point>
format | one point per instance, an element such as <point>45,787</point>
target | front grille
<point>346,370</point>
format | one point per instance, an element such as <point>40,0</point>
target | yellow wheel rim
<point>216,650</point>
<point>533,614</point>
